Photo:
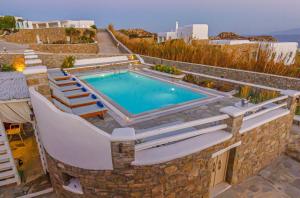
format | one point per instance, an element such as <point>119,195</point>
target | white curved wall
<point>69,138</point>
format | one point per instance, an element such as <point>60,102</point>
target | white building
<point>193,32</point>
<point>187,33</point>
<point>25,24</point>
<point>280,51</point>
<point>229,42</point>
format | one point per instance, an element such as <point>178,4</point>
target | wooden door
<point>219,169</point>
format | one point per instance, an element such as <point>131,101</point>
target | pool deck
<point>173,117</point>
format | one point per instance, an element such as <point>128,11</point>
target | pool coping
<point>124,118</point>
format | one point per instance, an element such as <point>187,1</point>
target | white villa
<point>26,24</point>
<point>187,33</point>
<point>282,51</point>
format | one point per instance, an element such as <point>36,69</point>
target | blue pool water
<point>138,93</point>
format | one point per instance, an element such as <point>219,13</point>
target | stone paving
<point>106,45</point>
<point>293,149</point>
<point>281,179</point>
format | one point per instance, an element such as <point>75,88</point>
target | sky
<point>246,17</point>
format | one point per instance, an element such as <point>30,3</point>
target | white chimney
<point>177,25</point>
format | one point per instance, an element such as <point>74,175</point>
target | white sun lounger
<point>58,74</point>
<point>74,102</point>
<point>70,81</point>
<point>67,87</point>
<point>83,92</point>
<point>87,111</point>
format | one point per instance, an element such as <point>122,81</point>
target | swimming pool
<point>139,94</point>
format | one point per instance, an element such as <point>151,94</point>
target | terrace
<point>216,129</point>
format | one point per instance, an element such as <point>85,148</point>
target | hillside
<point>234,36</point>
<point>137,33</point>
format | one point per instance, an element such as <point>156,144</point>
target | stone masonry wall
<point>29,36</point>
<point>260,147</point>
<point>189,176</point>
<point>88,48</point>
<point>50,60</point>
<point>270,80</point>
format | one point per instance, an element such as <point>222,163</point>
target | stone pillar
<point>292,99</point>
<point>122,147</point>
<point>235,121</point>
<point>37,77</point>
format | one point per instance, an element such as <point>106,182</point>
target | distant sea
<point>288,38</point>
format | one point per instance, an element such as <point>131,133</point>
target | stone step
<point>7,174</point>
<point>5,166</point>
<point>8,181</point>
<point>3,148</point>
<point>4,158</point>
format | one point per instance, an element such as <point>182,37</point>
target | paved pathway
<point>106,45</point>
<point>279,180</point>
<point>12,47</point>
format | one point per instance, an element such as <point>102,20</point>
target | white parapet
<point>35,70</point>
<point>69,138</point>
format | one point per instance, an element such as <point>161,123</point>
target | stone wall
<point>89,48</point>
<point>189,176</point>
<point>120,45</point>
<point>30,36</point>
<point>9,58</point>
<point>270,80</point>
<point>260,147</point>
<point>50,60</point>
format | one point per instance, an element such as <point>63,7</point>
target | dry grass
<point>203,53</point>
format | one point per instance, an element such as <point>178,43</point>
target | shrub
<point>94,27</point>
<point>84,39</point>
<point>190,79</point>
<point>167,69</point>
<point>7,22</point>
<point>204,53</point>
<point>72,33</point>
<point>68,62</point>
<point>256,96</point>
<point>7,68</point>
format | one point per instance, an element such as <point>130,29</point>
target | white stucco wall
<point>283,51</point>
<point>69,138</point>
<point>229,42</point>
<point>194,31</point>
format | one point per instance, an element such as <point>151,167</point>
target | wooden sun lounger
<point>69,81</point>
<point>59,75</point>
<point>77,93</point>
<point>94,110</point>
<point>74,102</point>
<point>67,87</point>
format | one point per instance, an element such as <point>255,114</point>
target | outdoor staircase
<point>8,170</point>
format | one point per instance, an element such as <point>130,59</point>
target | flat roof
<point>13,86</point>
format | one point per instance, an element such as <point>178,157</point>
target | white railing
<point>181,136</point>
<point>264,107</point>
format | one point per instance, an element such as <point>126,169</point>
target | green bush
<point>7,68</point>
<point>68,62</point>
<point>7,22</point>
<point>167,69</point>
<point>94,27</point>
